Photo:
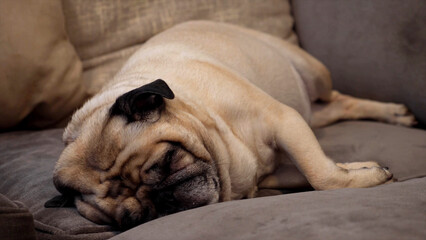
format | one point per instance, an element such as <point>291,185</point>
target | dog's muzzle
<point>193,186</point>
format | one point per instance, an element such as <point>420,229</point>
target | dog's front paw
<point>399,114</point>
<point>354,175</point>
<point>367,174</point>
<point>369,177</point>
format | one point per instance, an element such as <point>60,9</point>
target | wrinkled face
<point>135,160</point>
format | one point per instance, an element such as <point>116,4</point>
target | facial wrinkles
<point>140,152</point>
<point>209,127</point>
<point>214,127</point>
<point>194,123</point>
<point>143,151</point>
<point>131,154</point>
<point>106,204</point>
<point>142,148</point>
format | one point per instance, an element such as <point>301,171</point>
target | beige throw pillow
<point>106,32</point>
<point>40,72</point>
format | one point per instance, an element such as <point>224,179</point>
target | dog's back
<point>200,48</point>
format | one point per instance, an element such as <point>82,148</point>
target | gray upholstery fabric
<point>26,166</point>
<point>401,149</point>
<point>394,211</point>
<point>106,32</point>
<point>27,160</point>
<point>374,49</point>
<point>16,222</point>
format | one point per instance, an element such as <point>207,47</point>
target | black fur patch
<point>141,102</point>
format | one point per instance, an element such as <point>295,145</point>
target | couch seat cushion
<point>391,211</point>
<point>401,149</point>
<point>16,222</point>
<point>27,160</point>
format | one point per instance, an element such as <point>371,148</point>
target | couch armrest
<point>16,222</point>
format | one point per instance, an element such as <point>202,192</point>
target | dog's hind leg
<point>336,106</point>
<point>344,107</point>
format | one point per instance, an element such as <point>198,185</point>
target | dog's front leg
<point>293,135</point>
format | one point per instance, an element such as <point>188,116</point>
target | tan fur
<point>242,103</point>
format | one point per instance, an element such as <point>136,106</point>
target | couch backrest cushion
<point>39,69</point>
<point>374,49</point>
<point>105,33</point>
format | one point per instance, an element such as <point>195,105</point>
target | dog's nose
<point>165,202</point>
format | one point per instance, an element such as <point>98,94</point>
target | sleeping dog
<point>208,112</point>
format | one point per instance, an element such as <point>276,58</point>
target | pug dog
<point>203,113</point>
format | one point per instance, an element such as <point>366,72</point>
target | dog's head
<point>134,158</point>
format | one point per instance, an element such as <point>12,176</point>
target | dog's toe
<point>399,114</point>
<point>399,109</point>
<point>407,121</point>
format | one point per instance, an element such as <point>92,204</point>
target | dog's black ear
<point>60,201</point>
<point>140,103</point>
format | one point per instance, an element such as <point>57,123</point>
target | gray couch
<point>374,49</point>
